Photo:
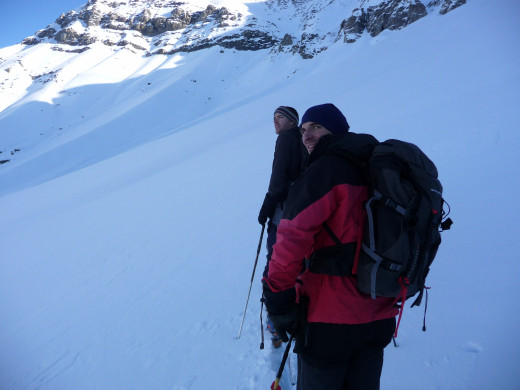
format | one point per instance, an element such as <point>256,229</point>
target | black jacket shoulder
<point>288,161</point>
<point>337,159</point>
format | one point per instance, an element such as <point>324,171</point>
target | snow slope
<point>128,237</point>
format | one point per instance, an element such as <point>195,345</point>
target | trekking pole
<point>276,383</point>
<point>252,278</point>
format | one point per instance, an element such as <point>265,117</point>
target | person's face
<point>311,134</point>
<point>281,123</point>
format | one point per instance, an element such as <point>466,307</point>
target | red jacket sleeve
<point>297,238</point>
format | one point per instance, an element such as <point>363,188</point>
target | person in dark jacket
<point>289,157</point>
<point>341,332</point>
<point>288,160</point>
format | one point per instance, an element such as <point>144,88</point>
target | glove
<point>267,210</point>
<point>286,323</point>
<point>283,311</point>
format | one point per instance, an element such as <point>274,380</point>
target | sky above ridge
<point>22,18</point>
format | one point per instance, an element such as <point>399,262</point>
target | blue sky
<point>22,18</point>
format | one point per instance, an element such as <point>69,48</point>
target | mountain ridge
<point>167,27</point>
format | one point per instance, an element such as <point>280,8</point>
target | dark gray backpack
<point>404,221</point>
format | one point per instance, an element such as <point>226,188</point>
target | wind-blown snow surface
<point>128,237</point>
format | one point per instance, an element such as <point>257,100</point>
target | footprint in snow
<point>472,347</point>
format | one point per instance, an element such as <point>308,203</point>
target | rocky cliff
<point>291,26</point>
<point>390,15</point>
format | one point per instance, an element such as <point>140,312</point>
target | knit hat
<point>327,115</point>
<point>289,112</point>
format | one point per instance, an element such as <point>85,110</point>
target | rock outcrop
<point>446,5</point>
<point>143,22</point>
<point>389,15</point>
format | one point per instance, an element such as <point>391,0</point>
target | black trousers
<point>342,357</point>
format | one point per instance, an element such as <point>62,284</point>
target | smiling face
<point>282,123</point>
<point>311,134</point>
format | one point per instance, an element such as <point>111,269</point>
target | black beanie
<point>327,115</point>
<point>289,112</point>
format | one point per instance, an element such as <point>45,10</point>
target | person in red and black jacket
<point>341,339</point>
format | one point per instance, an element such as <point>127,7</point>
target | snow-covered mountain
<point>132,181</point>
<point>107,42</point>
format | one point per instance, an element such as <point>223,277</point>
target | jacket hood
<point>358,146</point>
